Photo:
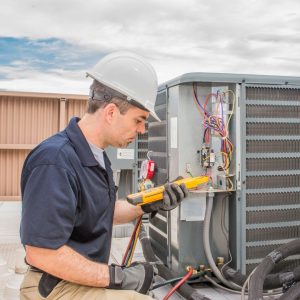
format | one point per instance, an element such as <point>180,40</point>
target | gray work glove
<point>173,195</point>
<point>138,277</point>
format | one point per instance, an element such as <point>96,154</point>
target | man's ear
<point>110,110</point>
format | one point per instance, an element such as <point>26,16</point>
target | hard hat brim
<point>152,113</point>
<point>155,116</point>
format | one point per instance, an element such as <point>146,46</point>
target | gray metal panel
<point>121,163</point>
<point>267,138</point>
<point>186,236</point>
<point>241,207</point>
<point>126,168</point>
<point>159,244</point>
<point>231,78</point>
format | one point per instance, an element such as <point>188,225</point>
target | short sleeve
<point>49,207</point>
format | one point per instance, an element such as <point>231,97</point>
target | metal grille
<point>142,148</point>
<point>272,171</point>
<point>269,182</point>
<point>155,140</point>
<point>273,146</point>
<point>260,251</point>
<point>273,234</point>
<point>272,216</point>
<point>284,266</point>
<point>272,94</point>
<point>272,111</point>
<point>272,129</point>
<point>273,164</point>
<point>268,199</point>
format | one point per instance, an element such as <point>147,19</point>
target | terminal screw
<point>220,261</point>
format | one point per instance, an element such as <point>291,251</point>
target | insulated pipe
<point>272,281</point>
<point>292,294</point>
<point>267,265</point>
<point>185,290</point>
<point>206,244</point>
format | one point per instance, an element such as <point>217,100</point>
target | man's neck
<point>91,129</point>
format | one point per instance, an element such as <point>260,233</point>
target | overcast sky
<point>47,45</point>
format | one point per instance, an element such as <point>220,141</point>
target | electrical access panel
<point>241,131</point>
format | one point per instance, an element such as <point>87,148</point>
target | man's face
<point>125,127</point>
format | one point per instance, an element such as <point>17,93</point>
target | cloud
<point>177,36</point>
<point>22,77</point>
<point>45,53</point>
<point>44,65</point>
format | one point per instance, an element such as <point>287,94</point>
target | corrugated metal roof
<point>25,120</point>
<point>43,95</point>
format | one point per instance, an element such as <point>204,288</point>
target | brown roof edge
<point>43,95</point>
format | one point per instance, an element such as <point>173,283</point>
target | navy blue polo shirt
<point>67,197</point>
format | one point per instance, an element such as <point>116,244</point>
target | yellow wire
<point>209,156</point>
<point>134,244</point>
<point>231,184</point>
<point>226,162</point>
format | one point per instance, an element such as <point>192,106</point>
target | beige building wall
<point>25,120</point>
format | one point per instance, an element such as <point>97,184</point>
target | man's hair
<point>101,96</point>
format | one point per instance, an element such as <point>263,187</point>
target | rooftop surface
<point>11,249</point>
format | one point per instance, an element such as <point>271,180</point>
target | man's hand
<point>173,195</point>
<point>137,277</point>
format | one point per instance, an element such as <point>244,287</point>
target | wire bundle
<point>216,122</point>
<point>132,243</point>
<point>129,254</point>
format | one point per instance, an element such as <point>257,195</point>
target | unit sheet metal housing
<point>263,211</point>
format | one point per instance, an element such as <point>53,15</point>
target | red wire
<point>131,239</point>
<point>179,284</point>
<point>207,137</point>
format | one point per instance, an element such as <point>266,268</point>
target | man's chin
<point>128,142</point>
<point>124,145</point>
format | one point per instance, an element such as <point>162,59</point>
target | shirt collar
<point>80,144</point>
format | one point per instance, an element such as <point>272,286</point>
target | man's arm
<point>126,212</point>
<point>69,265</point>
<point>172,196</point>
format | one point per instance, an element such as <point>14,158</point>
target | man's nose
<point>141,129</point>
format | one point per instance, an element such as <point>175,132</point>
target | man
<point>68,192</point>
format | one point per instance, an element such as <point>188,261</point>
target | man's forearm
<point>69,265</point>
<point>126,212</point>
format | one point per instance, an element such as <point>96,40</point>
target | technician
<point>68,192</point>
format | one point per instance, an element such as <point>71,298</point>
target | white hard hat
<point>131,75</point>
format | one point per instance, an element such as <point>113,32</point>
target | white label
<point>193,208</point>
<point>173,128</point>
<point>125,153</point>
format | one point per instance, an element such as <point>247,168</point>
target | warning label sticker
<point>125,153</point>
